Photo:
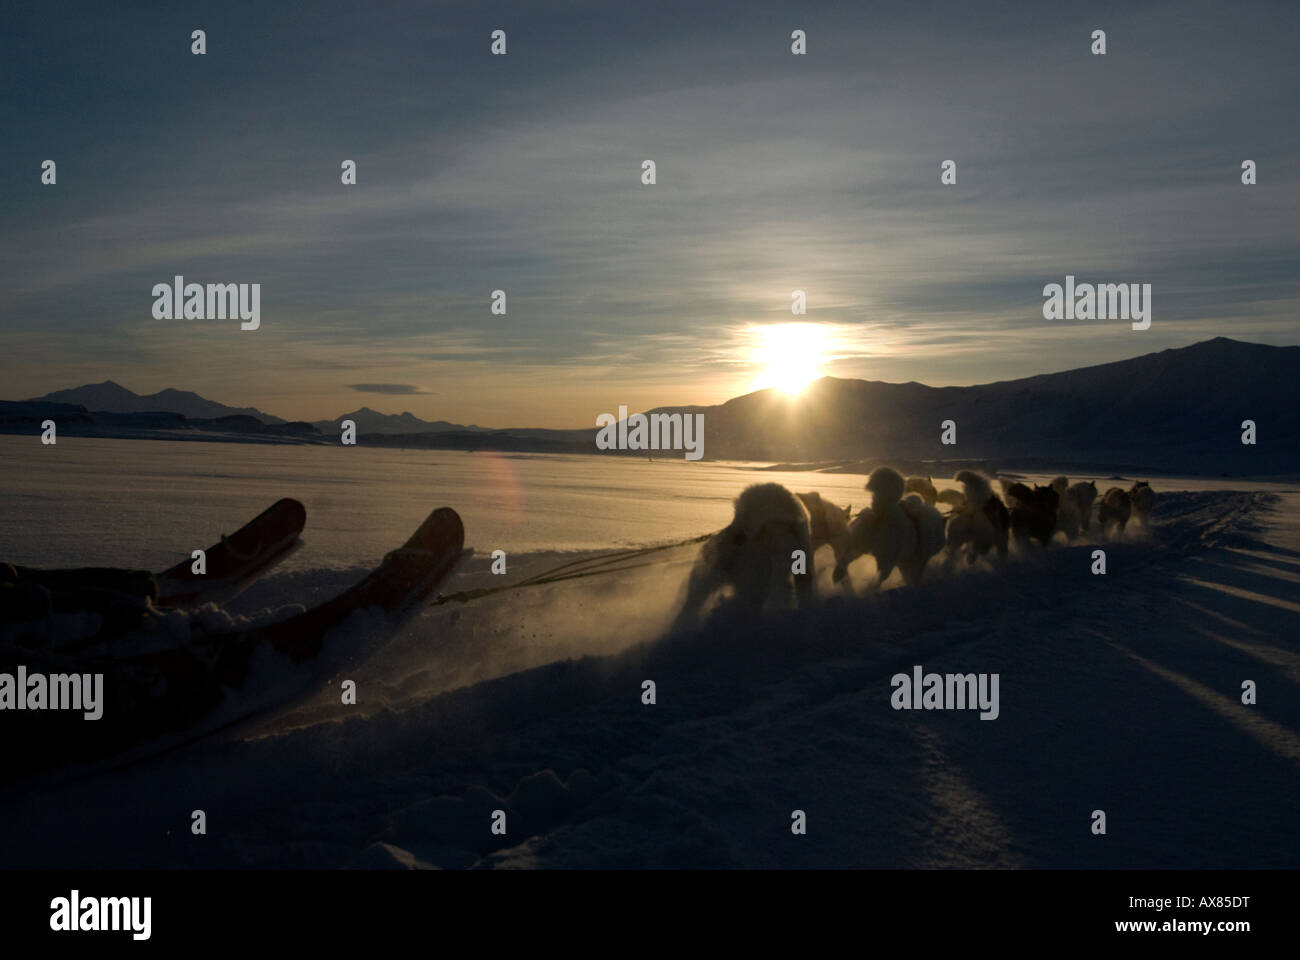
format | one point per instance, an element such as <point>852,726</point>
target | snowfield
<point>1119,693</point>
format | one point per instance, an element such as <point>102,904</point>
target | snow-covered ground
<point>148,503</point>
<point>1119,693</point>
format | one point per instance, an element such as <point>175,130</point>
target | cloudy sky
<point>523,172</point>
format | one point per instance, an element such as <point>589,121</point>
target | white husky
<point>753,555</point>
<point>1082,495</point>
<point>829,523</point>
<point>898,532</point>
<point>1074,509</point>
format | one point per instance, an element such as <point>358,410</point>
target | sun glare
<point>789,356</point>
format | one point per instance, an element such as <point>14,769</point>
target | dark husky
<point>1033,512</point>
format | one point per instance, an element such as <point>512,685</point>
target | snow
<point>1120,693</point>
<point>167,499</point>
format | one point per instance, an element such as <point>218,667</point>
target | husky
<point>1082,495</point>
<point>1114,509</point>
<point>1033,512</point>
<point>955,499</point>
<point>922,487</point>
<point>903,532</point>
<point>1074,513</point>
<point>753,555</point>
<point>1068,519</point>
<point>1143,499</point>
<point>829,523</point>
<point>981,519</point>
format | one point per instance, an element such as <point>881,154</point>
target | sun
<point>789,355</point>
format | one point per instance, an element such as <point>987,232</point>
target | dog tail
<point>886,485</point>
<point>978,488</point>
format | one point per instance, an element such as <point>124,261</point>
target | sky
<point>522,172</point>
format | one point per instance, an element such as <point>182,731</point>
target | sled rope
<point>572,570</point>
<point>606,560</point>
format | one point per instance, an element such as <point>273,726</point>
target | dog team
<point>902,529</point>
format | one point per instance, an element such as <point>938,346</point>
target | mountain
<point>112,397</point>
<point>372,421</point>
<point>1177,410</point>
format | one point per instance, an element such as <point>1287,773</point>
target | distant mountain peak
<point>372,421</point>
<point>111,397</point>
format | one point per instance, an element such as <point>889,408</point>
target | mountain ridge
<point>372,421</point>
<point>111,397</point>
<point>1178,410</point>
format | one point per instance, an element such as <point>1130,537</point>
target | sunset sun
<point>789,356</point>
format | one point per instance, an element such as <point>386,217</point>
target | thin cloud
<point>394,389</point>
